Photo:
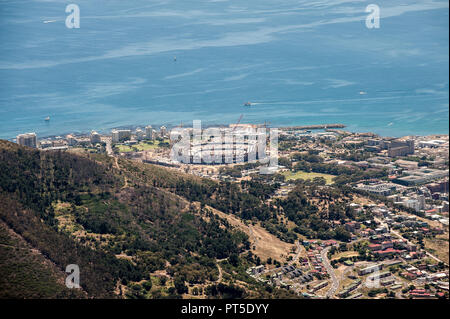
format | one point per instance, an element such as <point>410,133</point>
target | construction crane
<point>239,121</point>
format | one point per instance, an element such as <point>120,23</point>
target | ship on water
<point>47,118</point>
<point>248,104</point>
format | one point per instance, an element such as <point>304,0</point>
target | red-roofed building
<point>387,252</point>
<point>420,293</point>
<point>440,295</point>
<point>386,244</point>
<point>408,275</point>
<point>330,242</point>
<point>374,247</point>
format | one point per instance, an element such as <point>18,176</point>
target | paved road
<point>108,141</point>
<point>334,279</point>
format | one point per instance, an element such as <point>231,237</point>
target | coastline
<point>314,127</point>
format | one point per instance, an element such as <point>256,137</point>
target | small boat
<point>49,21</point>
<point>47,118</point>
<point>175,59</point>
<point>248,104</point>
<point>362,93</point>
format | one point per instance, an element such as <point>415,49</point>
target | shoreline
<point>312,127</point>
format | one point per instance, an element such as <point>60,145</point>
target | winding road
<point>334,279</point>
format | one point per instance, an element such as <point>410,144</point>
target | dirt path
<point>220,272</point>
<point>266,245</point>
<point>117,166</point>
<point>297,253</point>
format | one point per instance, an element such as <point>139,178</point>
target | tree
<point>342,234</point>
<point>147,285</point>
<point>180,286</point>
<point>234,260</point>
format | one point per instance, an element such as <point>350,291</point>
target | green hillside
<point>136,231</point>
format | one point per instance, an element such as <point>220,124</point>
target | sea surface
<point>161,62</point>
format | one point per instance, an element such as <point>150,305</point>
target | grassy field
<point>141,146</point>
<point>438,246</point>
<point>345,254</point>
<point>304,175</point>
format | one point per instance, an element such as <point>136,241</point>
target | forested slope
<point>77,210</point>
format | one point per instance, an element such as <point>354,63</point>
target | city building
<point>383,189</point>
<point>43,144</point>
<point>59,142</point>
<point>235,144</point>
<point>95,138</point>
<point>370,269</point>
<point>400,148</point>
<point>149,132</point>
<point>140,134</point>
<point>438,187</point>
<point>71,140</point>
<point>431,144</point>
<point>421,176</point>
<point>120,135</point>
<point>406,164</point>
<point>163,131</point>
<point>319,286</point>
<point>28,139</point>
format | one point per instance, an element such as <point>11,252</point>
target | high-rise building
<point>163,131</point>
<point>95,138</point>
<point>120,135</point>
<point>28,139</point>
<point>421,200</point>
<point>149,132</point>
<point>140,134</point>
<point>71,140</point>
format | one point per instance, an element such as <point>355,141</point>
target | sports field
<point>305,175</point>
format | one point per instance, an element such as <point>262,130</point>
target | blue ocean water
<point>298,62</point>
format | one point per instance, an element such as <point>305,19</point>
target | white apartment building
<point>28,139</point>
<point>95,138</point>
<point>120,135</point>
<point>149,132</point>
